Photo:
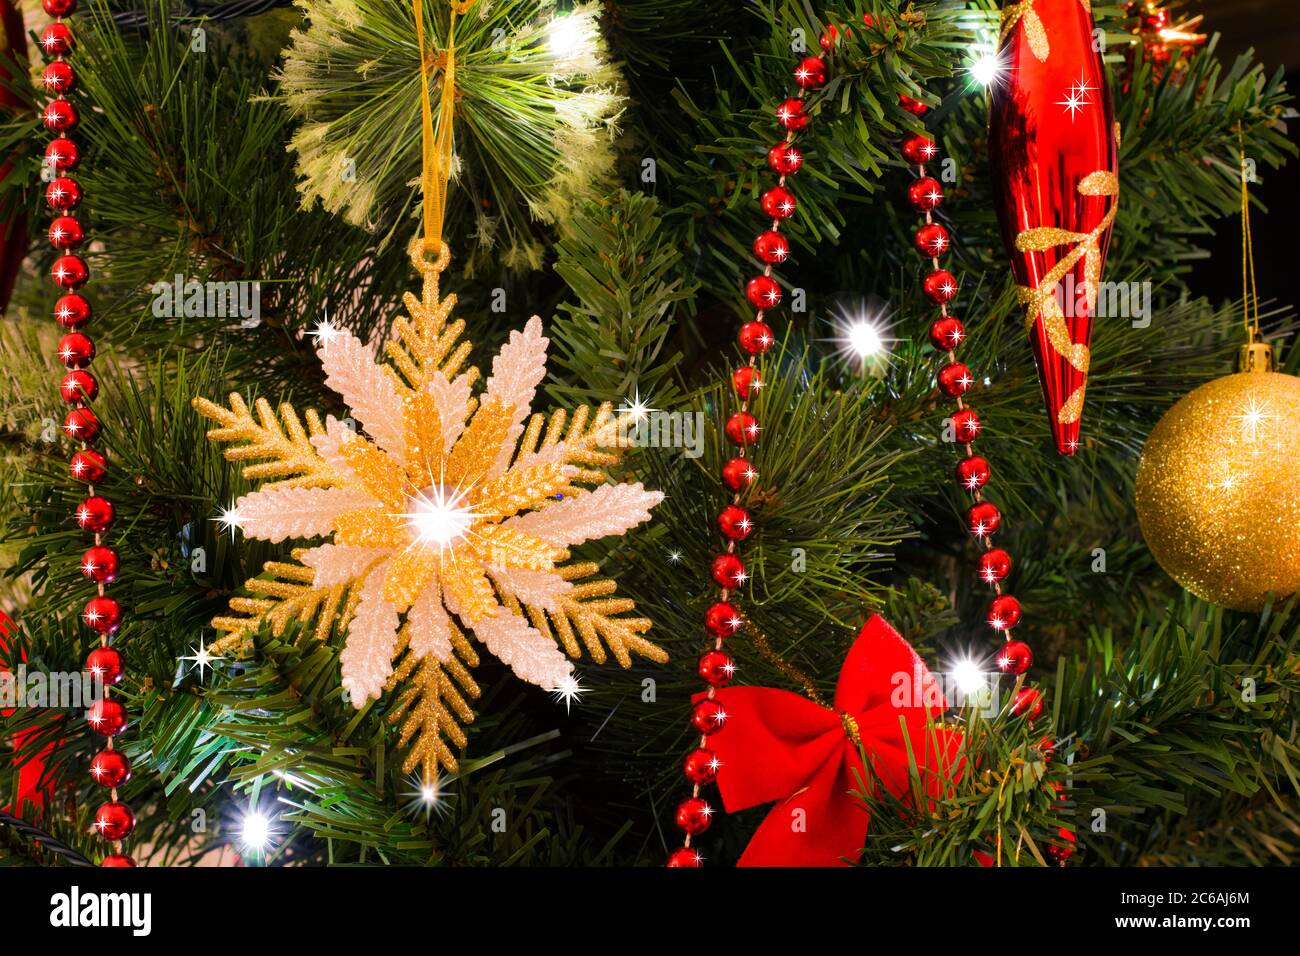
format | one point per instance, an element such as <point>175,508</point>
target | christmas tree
<point>440,582</point>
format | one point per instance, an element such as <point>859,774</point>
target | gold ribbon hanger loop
<point>436,144</point>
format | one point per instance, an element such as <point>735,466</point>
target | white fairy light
<point>255,831</point>
<point>864,339</point>
<point>988,69</point>
<point>968,677</point>
<point>564,36</point>
<point>439,516</point>
<point>572,42</point>
<point>862,334</point>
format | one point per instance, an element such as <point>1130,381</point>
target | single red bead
<point>81,424</point>
<point>58,8</point>
<point>66,233</point>
<point>69,272</point>
<point>60,116</point>
<point>63,193</point>
<point>791,115</point>
<point>932,240</point>
<point>746,380</point>
<point>102,614</point>
<point>915,107</point>
<point>76,350</point>
<point>771,247</point>
<point>59,77</point>
<point>715,668</point>
<point>742,428</point>
<point>78,386</point>
<point>983,518</point>
<point>973,472</point>
<point>72,311</point>
<point>62,154</point>
<point>778,203</point>
<point>810,73</point>
<point>756,337</point>
<point>738,473</point>
<point>784,158</point>
<point>947,333</point>
<point>918,149</point>
<point>685,856</point>
<point>1015,658</point>
<point>99,564</point>
<point>114,820</point>
<point>1004,612</point>
<point>940,286</point>
<point>117,860</point>
<point>994,565</point>
<point>1047,747</point>
<point>1065,849</point>
<point>694,815</point>
<point>56,40</point>
<point>763,292</point>
<point>729,571</point>
<point>105,664</point>
<point>955,379</point>
<point>106,717</point>
<point>827,39</point>
<point>701,766</point>
<point>707,716</point>
<point>966,425</point>
<point>735,523</point>
<point>95,514</point>
<point>722,619</point>
<point>925,194</point>
<point>1028,702</point>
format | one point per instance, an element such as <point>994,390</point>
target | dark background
<point>1272,29</point>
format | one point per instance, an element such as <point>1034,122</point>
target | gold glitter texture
<point>1218,490</point>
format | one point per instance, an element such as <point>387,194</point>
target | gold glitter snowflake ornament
<point>449,514</point>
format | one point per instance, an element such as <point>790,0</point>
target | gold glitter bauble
<point>1218,490</point>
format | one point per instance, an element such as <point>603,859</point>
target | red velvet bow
<point>776,745</point>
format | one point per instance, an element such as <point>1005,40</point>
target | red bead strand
<point>114,820</point>
<point>723,619</point>
<point>955,379</point>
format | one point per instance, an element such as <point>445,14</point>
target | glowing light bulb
<point>986,70</point>
<point>865,339</point>
<point>566,37</point>
<point>968,677</point>
<point>438,516</point>
<point>255,833</point>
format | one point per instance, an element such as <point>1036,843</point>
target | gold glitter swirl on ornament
<point>1035,32</point>
<point>1041,303</point>
<point>1218,490</point>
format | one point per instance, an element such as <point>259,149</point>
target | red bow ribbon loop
<point>776,745</point>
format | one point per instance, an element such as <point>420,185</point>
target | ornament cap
<point>1256,357</point>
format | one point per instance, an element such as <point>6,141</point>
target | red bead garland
<point>955,379</point>
<point>114,820</point>
<point>723,620</point>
